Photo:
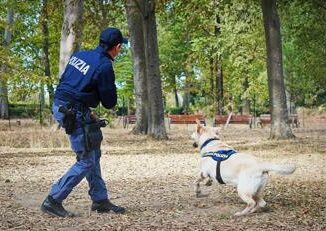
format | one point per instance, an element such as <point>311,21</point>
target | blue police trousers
<point>86,165</point>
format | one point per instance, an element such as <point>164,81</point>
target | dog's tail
<point>284,169</point>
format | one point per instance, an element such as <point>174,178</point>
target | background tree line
<point>184,56</point>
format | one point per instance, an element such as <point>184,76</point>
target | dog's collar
<point>207,142</point>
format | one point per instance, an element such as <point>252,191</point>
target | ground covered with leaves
<point>154,180</point>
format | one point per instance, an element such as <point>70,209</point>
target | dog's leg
<point>209,182</point>
<point>258,197</point>
<point>197,184</point>
<point>260,204</point>
<point>251,184</point>
<point>251,204</point>
<point>247,190</point>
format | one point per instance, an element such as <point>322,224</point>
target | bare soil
<point>154,180</point>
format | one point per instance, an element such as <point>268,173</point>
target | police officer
<point>87,80</point>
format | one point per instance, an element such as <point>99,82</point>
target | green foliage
<point>24,55</point>
<point>124,75</point>
<point>188,38</point>
<point>193,33</point>
<point>99,15</point>
<point>304,39</point>
<point>194,36</point>
<point>23,110</point>
<point>174,110</point>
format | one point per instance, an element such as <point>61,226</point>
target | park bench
<point>186,119</point>
<point>294,120</point>
<point>266,119</point>
<point>128,119</point>
<point>232,119</point>
<point>172,119</point>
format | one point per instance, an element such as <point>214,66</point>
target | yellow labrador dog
<point>220,163</point>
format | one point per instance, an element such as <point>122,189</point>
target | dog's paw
<point>238,214</point>
<point>209,182</point>
<point>200,195</point>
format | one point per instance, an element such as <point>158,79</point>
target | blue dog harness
<point>218,156</point>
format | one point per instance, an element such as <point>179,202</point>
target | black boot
<point>106,206</point>
<point>50,206</point>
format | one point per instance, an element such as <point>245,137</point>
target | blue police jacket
<point>88,79</point>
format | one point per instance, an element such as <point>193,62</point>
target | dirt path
<point>154,181</point>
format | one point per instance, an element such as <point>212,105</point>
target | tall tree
<point>136,32</point>
<point>46,46</point>
<point>280,128</point>
<point>71,31</point>
<point>156,124</point>
<point>188,72</point>
<point>219,89</point>
<point>152,99</point>
<point>4,103</point>
<point>218,66</point>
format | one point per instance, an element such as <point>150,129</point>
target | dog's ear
<point>200,128</point>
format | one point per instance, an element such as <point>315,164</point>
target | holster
<point>69,120</point>
<point>93,135</point>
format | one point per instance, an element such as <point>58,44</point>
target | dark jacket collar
<point>102,50</point>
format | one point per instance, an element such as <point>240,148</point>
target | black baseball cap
<point>111,37</point>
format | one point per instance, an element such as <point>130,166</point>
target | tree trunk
<point>3,98</point>
<point>149,101</point>
<point>280,128</point>
<point>4,102</point>
<point>245,102</point>
<point>219,86</point>
<point>41,102</point>
<point>187,89</point>
<point>156,124</point>
<point>212,81</point>
<point>218,66</point>
<point>136,32</point>
<point>176,97</point>
<point>185,101</point>
<point>71,31</point>
<point>46,46</point>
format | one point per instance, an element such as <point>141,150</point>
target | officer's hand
<point>93,115</point>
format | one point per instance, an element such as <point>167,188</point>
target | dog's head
<point>203,133</point>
